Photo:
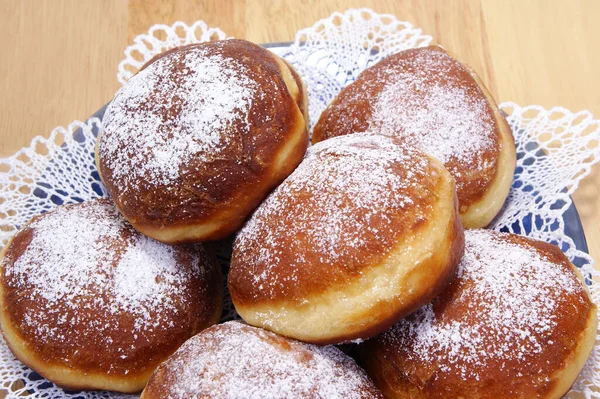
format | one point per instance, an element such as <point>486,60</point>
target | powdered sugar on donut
<point>427,104</point>
<point>183,106</point>
<point>237,361</point>
<point>346,198</point>
<point>512,295</point>
<point>86,259</point>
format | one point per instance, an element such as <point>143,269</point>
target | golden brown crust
<point>210,192</point>
<point>473,341</point>
<point>343,230</point>
<point>302,96</point>
<point>316,276</point>
<point>481,212</point>
<point>234,360</point>
<point>393,94</point>
<point>105,334</point>
<point>366,320</point>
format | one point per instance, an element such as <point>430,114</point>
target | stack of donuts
<point>373,237</point>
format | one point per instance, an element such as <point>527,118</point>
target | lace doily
<point>556,149</point>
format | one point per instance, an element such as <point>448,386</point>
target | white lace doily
<point>556,149</point>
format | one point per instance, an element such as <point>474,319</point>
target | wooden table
<point>59,57</point>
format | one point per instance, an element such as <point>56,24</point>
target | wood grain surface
<point>59,57</point>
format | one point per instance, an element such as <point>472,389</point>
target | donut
<point>193,142</point>
<point>518,322</point>
<point>442,106</point>
<point>235,361</point>
<point>89,303</point>
<point>362,233</point>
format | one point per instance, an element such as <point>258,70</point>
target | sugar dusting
<point>512,293</point>
<point>237,361</point>
<point>166,116</point>
<point>87,258</point>
<point>432,108</point>
<point>344,199</point>
<point>422,95</point>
